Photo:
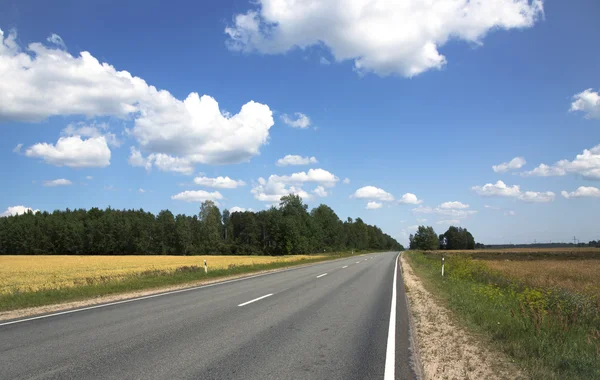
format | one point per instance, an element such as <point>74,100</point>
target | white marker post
<point>205,267</point>
<point>442,266</point>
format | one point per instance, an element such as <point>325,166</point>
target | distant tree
<point>457,238</point>
<point>424,239</point>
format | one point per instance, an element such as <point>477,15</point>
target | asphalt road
<point>302,324</point>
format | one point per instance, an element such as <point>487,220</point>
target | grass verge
<point>151,279</point>
<point>551,333</point>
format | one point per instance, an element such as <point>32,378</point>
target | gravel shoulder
<point>446,350</point>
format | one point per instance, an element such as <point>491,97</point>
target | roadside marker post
<point>205,267</point>
<point>442,266</point>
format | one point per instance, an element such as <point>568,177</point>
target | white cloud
<point>537,197</point>
<point>320,191</point>
<point>491,207</point>
<point>89,177</point>
<point>17,149</point>
<point>500,189</point>
<point>141,191</point>
<point>346,181</point>
<point>582,191</point>
<point>219,182</point>
<point>56,40</point>
<point>302,121</point>
<point>374,205</point>
<point>73,151</point>
<point>239,209</point>
<point>544,171</point>
<point>410,199</point>
<point>372,192</point>
<point>448,221</point>
<point>163,162</point>
<point>296,160</point>
<point>453,205</point>
<point>17,210</point>
<point>449,212</point>
<point>324,61</point>
<point>587,101</point>
<point>385,37</point>
<point>93,130</point>
<point>515,163</point>
<point>497,189</point>
<point>510,213</point>
<point>58,182</point>
<point>40,81</point>
<point>276,186</point>
<point>197,196</point>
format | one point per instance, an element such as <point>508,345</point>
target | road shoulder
<point>444,349</point>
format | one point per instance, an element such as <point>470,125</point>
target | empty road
<point>325,321</point>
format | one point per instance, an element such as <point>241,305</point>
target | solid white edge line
<point>157,295</point>
<point>390,355</point>
<point>345,266</point>
<point>256,299</point>
<point>321,275</point>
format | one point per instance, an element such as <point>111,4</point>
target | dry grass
<point>33,273</point>
<point>582,276</point>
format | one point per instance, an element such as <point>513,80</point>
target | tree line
<point>454,238</point>
<point>284,230</point>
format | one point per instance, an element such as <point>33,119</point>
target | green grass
<point>143,281</point>
<point>550,333</point>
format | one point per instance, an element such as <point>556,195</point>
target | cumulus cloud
<point>276,186</point>
<point>515,163</point>
<point>500,189</point>
<point>238,209</point>
<point>37,78</point>
<point>372,192</point>
<point>296,160</point>
<point>586,164</point>
<point>219,182</point>
<point>302,121</point>
<point>346,181</point>
<point>588,102</point>
<point>448,212</point>
<point>163,162</point>
<point>581,192</point>
<point>448,221</point>
<point>56,40</point>
<point>92,130</point>
<point>197,196</point>
<point>537,196</point>
<point>73,151</point>
<point>409,199</point>
<point>17,149</point>
<point>320,191</point>
<point>497,189</point>
<point>453,205</point>
<point>141,191</point>
<point>374,205</point>
<point>58,182</point>
<point>17,210</point>
<point>384,37</point>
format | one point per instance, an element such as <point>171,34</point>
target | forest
<point>284,230</point>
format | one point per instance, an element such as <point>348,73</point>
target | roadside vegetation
<point>545,314</point>
<point>47,280</point>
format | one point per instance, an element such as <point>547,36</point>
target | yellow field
<point>581,276</point>
<point>31,273</point>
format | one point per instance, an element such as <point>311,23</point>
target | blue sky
<point>413,104</point>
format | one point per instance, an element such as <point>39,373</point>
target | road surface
<point>325,321</point>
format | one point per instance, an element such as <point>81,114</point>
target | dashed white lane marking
<point>256,299</point>
<point>358,262</point>
<point>345,266</point>
<point>321,275</point>
<point>390,355</point>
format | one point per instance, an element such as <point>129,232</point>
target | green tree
<point>424,239</point>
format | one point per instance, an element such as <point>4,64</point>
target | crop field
<point>20,274</point>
